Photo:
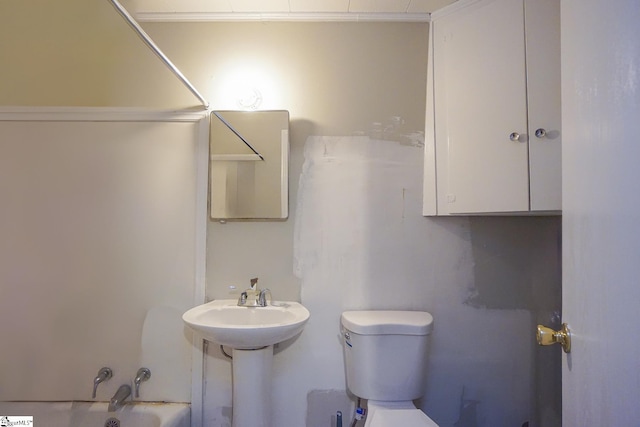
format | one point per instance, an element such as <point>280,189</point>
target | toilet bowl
<point>385,362</point>
<point>390,414</point>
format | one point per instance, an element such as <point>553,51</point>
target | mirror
<point>249,168</point>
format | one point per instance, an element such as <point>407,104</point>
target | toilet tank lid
<point>388,322</point>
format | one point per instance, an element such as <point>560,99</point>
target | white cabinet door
<point>543,94</point>
<point>493,87</point>
<point>480,98</point>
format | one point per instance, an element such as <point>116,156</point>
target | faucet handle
<point>254,284</point>
<point>262,298</point>
<point>243,298</point>
<point>103,375</point>
<point>143,375</point>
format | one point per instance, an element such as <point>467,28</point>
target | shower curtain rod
<point>147,40</point>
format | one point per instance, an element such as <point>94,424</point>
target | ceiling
<point>289,10</point>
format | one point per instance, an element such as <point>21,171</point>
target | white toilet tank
<point>386,353</point>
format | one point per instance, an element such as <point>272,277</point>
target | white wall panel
<point>97,257</point>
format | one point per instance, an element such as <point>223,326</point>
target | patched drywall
<point>360,243</point>
<point>517,267</point>
<point>514,267</point>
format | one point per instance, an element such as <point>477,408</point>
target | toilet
<point>385,358</point>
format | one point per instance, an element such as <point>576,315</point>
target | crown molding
<point>452,8</point>
<point>280,17</point>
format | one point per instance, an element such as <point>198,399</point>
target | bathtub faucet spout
<point>117,401</point>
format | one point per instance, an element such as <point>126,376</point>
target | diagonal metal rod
<point>147,40</point>
<point>232,129</point>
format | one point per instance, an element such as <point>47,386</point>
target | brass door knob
<point>547,336</point>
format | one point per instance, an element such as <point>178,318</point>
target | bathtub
<point>89,414</point>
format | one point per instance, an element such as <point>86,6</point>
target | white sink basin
<point>224,322</point>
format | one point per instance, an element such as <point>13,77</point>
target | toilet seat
<point>393,414</point>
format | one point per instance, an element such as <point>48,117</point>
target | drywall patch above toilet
<point>322,406</point>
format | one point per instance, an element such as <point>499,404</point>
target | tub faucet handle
<point>103,375</point>
<point>143,375</point>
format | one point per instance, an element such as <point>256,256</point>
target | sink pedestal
<point>252,387</point>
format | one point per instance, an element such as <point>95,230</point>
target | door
<point>601,211</point>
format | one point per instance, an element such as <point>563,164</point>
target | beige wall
<point>334,78</point>
<point>330,75</point>
<point>78,53</point>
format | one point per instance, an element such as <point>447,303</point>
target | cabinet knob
<point>541,133</point>
<point>514,136</point>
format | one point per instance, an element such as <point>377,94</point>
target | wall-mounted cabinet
<point>493,114</point>
<point>249,165</point>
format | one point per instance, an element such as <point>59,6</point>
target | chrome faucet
<point>253,297</point>
<point>103,375</point>
<point>262,298</point>
<point>117,401</point>
<point>143,375</point>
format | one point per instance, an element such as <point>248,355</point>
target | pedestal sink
<point>251,332</point>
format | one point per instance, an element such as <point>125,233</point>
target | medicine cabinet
<point>249,165</point>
